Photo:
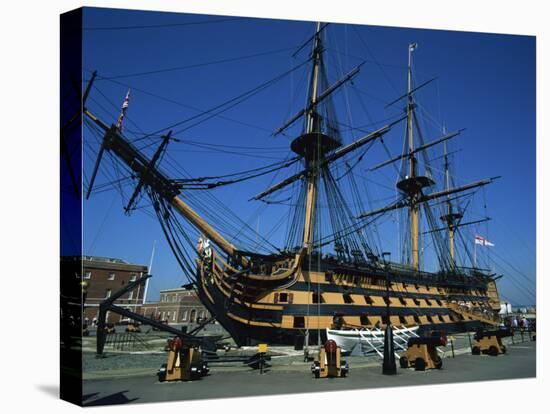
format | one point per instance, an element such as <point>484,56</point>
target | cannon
<point>185,362</point>
<point>422,352</point>
<point>330,364</point>
<point>490,342</point>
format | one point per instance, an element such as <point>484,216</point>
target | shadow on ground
<point>116,398</point>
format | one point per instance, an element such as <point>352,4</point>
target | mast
<point>412,163</point>
<point>312,156</point>
<point>451,218</point>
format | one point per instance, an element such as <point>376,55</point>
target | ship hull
<point>336,297</point>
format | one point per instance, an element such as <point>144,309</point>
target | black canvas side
<point>71,288</point>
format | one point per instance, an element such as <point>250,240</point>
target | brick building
<point>176,306</point>
<point>104,276</point>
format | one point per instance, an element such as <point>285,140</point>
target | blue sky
<point>485,83</point>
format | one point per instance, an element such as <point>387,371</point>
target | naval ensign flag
<point>482,241</point>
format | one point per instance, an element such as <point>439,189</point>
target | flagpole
<point>475,254</point>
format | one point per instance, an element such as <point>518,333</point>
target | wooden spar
<point>136,161</point>
<point>312,178</point>
<point>204,227</point>
<point>450,224</point>
<point>412,168</point>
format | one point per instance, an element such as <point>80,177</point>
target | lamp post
<point>388,366</point>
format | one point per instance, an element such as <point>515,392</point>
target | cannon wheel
<point>438,362</point>
<point>317,371</point>
<point>419,364</point>
<point>476,350</point>
<point>493,351</point>
<point>343,370</point>
<point>403,362</point>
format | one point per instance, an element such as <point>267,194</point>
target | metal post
<point>388,366</point>
<point>453,347</point>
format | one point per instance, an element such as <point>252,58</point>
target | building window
<point>174,317</point>
<point>111,276</point>
<point>184,316</point>
<point>131,295</point>
<point>133,278</point>
<point>107,293</point>
<point>87,275</point>
<point>162,298</point>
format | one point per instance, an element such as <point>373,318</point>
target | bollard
<point>262,349</point>
<point>452,346</point>
<point>261,363</point>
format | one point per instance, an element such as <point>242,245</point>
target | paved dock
<point>224,382</point>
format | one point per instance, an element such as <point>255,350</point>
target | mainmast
<point>412,162</point>
<point>412,184</point>
<point>312,157</point>
<point>314,143</point>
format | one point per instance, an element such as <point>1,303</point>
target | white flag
<point>482,241</point>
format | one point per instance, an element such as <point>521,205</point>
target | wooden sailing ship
<point>336,280</point>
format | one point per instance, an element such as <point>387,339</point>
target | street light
<point>388,366</point>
